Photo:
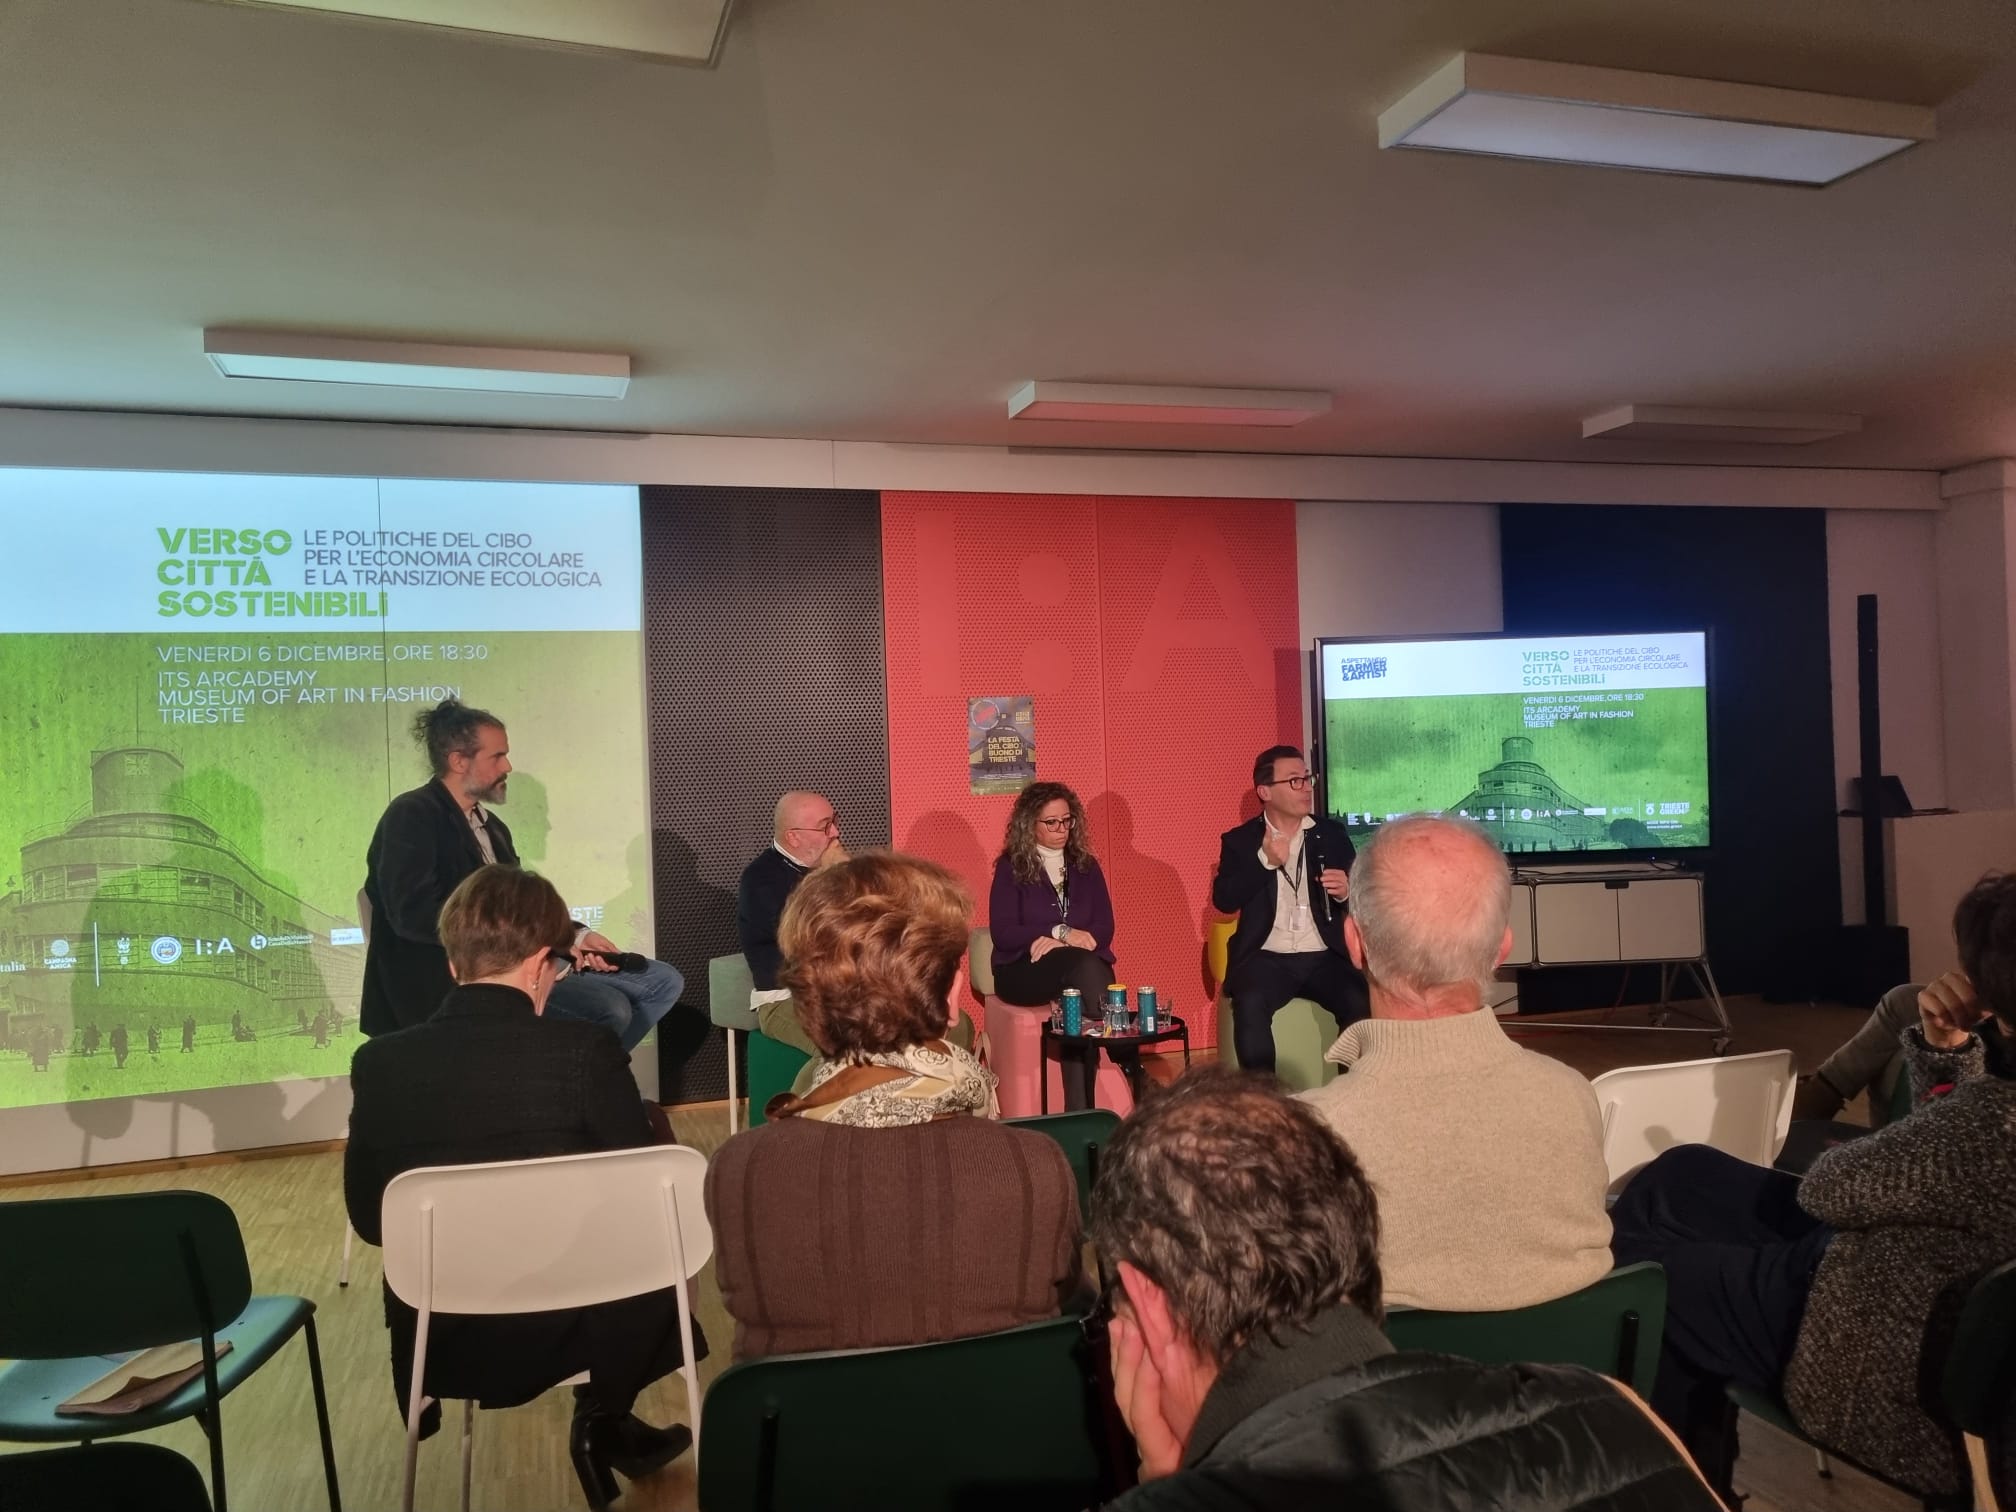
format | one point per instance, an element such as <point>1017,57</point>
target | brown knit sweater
<point>1922,1208</point>
<point>830,1237</point>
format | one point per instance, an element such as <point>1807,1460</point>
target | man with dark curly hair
<point>1240,1241</point>
<point>432,838</point>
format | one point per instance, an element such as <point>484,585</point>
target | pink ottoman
<point>1015,1038</point>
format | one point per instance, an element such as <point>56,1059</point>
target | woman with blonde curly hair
<point>1052,917</point>
<point>886,1205</point>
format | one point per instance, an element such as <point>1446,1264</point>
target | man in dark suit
<point>426,842</point>
<point>1287,875</point>
<point>491,1076</point>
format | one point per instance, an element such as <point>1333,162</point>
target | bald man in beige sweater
<point>1487,1159</point>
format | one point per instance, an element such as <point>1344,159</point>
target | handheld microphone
<point>1315,852</point>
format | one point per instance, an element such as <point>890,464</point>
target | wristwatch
<point>1059,933</point>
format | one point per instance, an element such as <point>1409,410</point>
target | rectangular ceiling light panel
<point>681,31</point>
<point>308,358</point>
<point>1609,117</point>
<point>1138,404</point>
<point>1673,422</point>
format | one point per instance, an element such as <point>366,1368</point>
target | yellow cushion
<point>1217,941</point>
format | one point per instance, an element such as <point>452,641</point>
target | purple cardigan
<point>1021,913</point>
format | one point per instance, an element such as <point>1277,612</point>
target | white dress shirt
<point>1294,931</point>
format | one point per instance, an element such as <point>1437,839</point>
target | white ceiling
<point>876,218</point>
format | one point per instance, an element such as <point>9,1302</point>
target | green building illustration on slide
<point>1527,810</point>
<point>140,947</point>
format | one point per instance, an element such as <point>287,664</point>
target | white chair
<point>1740,1104</point>
<point>541,1235</point>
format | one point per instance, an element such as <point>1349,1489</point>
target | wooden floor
<point>291,1210</point>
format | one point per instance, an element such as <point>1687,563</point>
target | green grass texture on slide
<point>1403,755</point>
<point>122,822</point>
<point>215,1062</point>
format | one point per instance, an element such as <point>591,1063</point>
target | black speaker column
<point>1876,955</point>
<point>1875,894</point>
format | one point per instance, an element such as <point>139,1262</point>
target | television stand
<point>1597,915</point>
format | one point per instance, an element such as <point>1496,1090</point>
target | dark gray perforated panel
<point>765,671</point>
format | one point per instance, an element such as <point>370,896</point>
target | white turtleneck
<point>1053,863</point>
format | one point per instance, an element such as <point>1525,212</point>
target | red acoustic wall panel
<point>1160,641</point>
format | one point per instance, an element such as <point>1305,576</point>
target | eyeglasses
<point>830,825</point>
<point>1297,783</point>
<point>562,959</point>
<point>1064,823</point>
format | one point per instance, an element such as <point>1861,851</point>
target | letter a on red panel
<point>1198,548</point>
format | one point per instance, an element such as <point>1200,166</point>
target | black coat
<point>1246,887</point>
<point>420,852</point>
<point>766,886</point>
<point>1329,1419</point>
<point>487,1079</point>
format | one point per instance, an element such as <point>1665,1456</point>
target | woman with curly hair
<point>1052,918</point>
<point>888,1204</point>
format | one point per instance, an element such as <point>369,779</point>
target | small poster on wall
<point>1001,743</point>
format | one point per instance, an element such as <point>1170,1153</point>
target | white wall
<point>1935,859</point>
<point>1396,569</point>
<point>1974,543</point>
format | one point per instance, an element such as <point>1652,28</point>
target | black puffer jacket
<point>1284,1428</point>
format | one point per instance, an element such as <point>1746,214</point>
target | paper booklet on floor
<point>146,1380</point>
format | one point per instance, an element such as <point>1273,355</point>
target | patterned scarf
<point>941,1080</point>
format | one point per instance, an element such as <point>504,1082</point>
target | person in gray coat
<point>1842,1289</point>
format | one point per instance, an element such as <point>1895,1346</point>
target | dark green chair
<point>1613,1326</point>
<point>1979,1385</point>
<point>1082,1134</point>
<point>773,1066</point>
<point>1977,1388</point>
<point>1005,1420</point>
<point>102,1478</point>
<point>95,1277</point>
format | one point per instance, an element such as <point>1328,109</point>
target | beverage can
<point>1072,1003</point>
<point>1146,998</point>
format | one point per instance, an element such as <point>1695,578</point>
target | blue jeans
<point>626,1003</point>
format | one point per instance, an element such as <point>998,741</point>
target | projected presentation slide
<point>1558,744</point>
<point>209,685</point>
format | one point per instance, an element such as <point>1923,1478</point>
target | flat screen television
<point>1559,745</point>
